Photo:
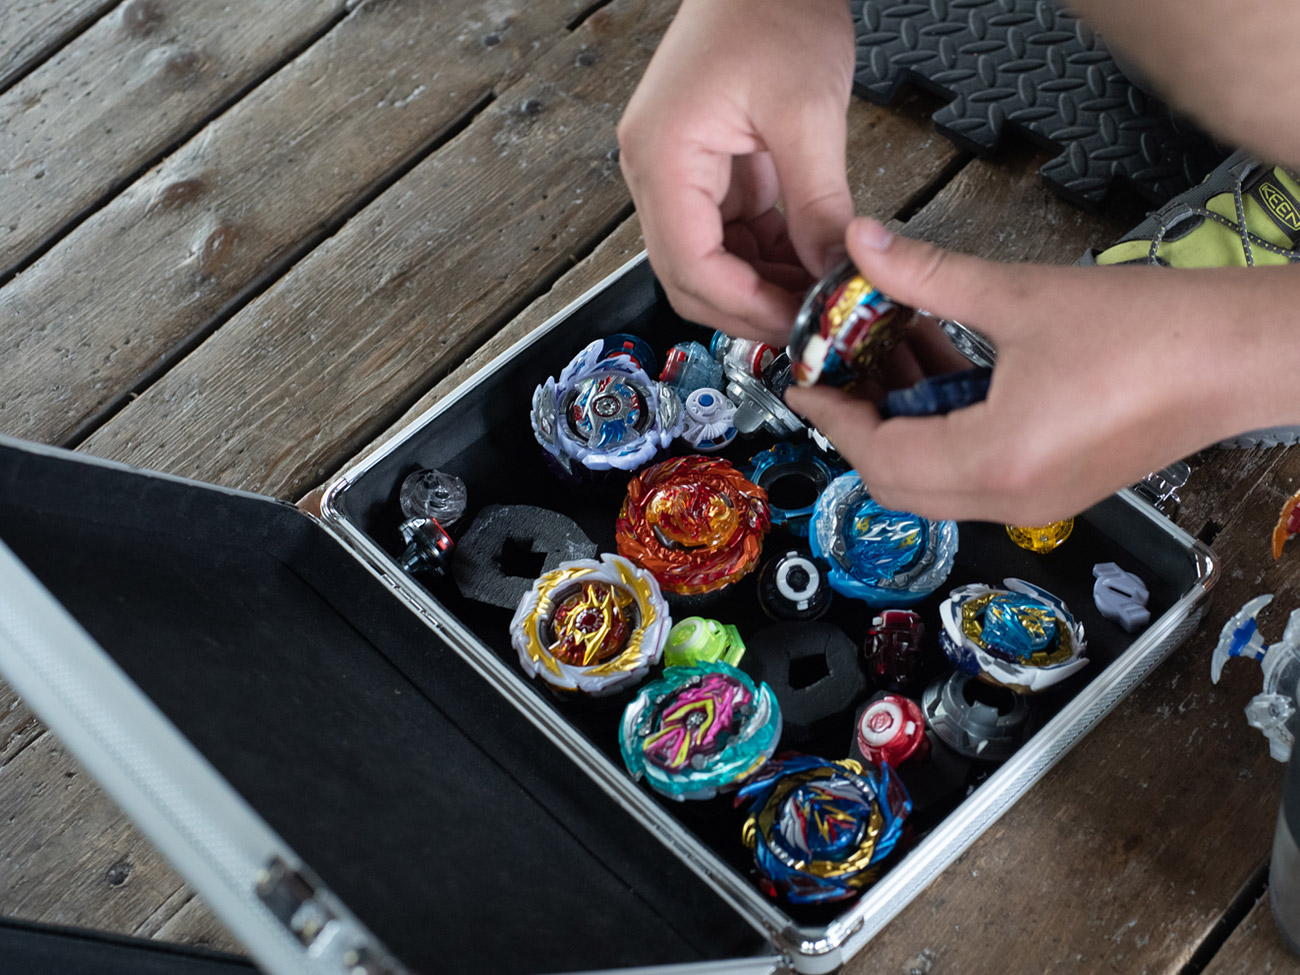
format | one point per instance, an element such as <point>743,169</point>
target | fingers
<point>809,159</point>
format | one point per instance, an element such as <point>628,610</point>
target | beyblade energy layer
<point>694,522</point>
<point>699,730</point>
<point>697,640</point>
<point>794,476</point>
<point>1022,637</point>
<point>844,326</point>
<point>819,829</point>
<point>883,557</point>
<point>891,730</point>
<point>592,627</point>
<point>1041,538</point>
<point>604,412</point>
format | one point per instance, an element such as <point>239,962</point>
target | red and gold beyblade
<point>694,522</point>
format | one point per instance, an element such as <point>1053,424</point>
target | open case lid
<point>233,677</point>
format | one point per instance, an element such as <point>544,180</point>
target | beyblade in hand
<point>844,326</point>
<point>883,557</point>
<point>589,626</point>
<point>694,522</point>
<point>698,730</point>
<point>604,412</point>
<point>820,829</point>
<point>1022,637</point>
<point>803,474</point>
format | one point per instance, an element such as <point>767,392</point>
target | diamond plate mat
<point>1031,67</point>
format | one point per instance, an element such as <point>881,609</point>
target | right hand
<point>743,104</point>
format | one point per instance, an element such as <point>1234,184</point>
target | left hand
<point>1103,375</point>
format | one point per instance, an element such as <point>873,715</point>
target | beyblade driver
<point>694,522</point>
<point>819,829</point>
<point>604,412</point>
<point>844,326</point>
<point>883,557</point>
<point>1022,637</point>
<point>593,627</point>
<point>698,730</point>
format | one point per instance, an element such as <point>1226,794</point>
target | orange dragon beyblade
<point>694,522</point>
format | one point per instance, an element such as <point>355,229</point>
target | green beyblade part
<point>696,640</point>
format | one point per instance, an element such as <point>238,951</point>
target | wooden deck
<point>240,241</point>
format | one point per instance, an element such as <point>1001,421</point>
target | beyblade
<point>433,494</point>
<point>696,640</point>
<point>1272,710</point>
<point>819,829</point>
<point>690,366</point>
<point>1041,538</point>
<point>1022,637</point>
<point>794,476</point>
<point>694,522</point>
<point>1288,524</point>
<point>844,326</point>
<point>708,420</point>
<point>759,403</point>
<point>891,730</point>
<point>893,652</point>
<point>604,412</point>
<point>593,627</point>
<point>970,718</point>
<point>699,730</point>
<point>741,357</point>
<point>793,586</point>
<point>880,556</point>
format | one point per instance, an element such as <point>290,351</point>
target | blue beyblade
<point>1022,637</point>
<point>820,829</point>
<point>699,729</point>
<point>883,557</point>
<point>604,412</point>
<point>794,476</point>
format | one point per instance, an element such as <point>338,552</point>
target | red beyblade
<point>694,522</point>
<point>892,730</point>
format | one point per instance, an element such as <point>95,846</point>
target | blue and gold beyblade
<point>698,730</point>
<point>592,627</point>
<point>883,557</point>
<point>820,829</point>
<point>1022,637</point>
<point>604,412</point>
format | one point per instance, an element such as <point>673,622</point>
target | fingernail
<point>871,233</point>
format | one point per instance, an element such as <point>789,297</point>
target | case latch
<point>1160,488</point>
<point>304,907</point>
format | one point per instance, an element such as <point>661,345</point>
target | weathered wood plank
<point>1255,946</point>
<point>85,865</point>
<point>124,91</point>
<point>195,925</point>
<point>376,315</point>
<point>228,211</point>
<point>31,30</point>
<point>1125,856</point>
<point>18,726</point>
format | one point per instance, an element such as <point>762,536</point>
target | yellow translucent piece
<point>1041,538</point>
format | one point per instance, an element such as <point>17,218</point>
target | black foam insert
<point>1030,66</point>
<point>455,830</point>
<point>485,439</point>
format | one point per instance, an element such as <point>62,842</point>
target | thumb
<point>945,283</point>
<point>810,166</point>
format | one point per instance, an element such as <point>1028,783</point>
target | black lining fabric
<point>463,838</point>
<point>39,949</point>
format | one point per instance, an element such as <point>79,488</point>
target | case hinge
<point>1160,488</point>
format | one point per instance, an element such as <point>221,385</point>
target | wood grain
<point>31,30</point>
<point>1255,947</point>
<point>113,100</point>
<point>1085,873</point>
<point>85,864</point>
<point>124,294</point>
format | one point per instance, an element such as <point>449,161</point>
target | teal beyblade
<point>699,729</point>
